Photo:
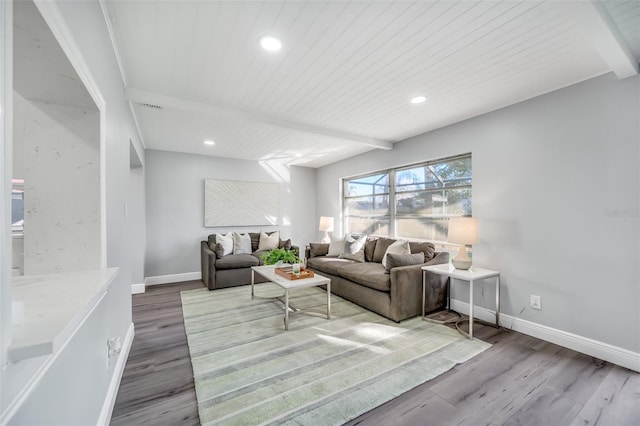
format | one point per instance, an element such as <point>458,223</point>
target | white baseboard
<point>174,278</point>
<point>112,392</point>
<point>585,345</point>
<point>137,288</point>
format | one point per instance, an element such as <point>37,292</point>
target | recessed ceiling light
<point>418,99</point>
<point>270,43</point>
<point>209,142</point>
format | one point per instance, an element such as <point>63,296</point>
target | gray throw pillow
<point>428,249</point>
<point>285,244</point>
<point>395,260</point>
<point>218,250</point>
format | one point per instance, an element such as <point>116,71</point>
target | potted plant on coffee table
<point>280,256</point>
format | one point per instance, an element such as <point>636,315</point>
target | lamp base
<point>326,239</point>
<point>462,260</point>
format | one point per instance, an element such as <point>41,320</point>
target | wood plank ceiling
<point>342,82</point>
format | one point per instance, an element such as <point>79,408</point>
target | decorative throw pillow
<point>241,243</point>
<point>269,242</point>
<point>218,250</point>
<point>336,247</point>
<point>318,249</point>
<point>399,247</point>
<point>395,260</point>
<point>354,248</point>
<point>226,241</point>
<point>381,248</point>
<point>285,244</point>
<point>427,248</point>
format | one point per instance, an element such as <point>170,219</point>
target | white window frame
<point>393,216</point>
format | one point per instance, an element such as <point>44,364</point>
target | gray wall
<point>175,205</point>
<point>555,191</point>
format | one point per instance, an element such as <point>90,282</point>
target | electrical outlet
<point>535,302</point>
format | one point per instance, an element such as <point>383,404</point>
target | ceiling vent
<point>152,106</point>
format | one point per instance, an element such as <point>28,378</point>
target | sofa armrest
<point>208,263</point>
<point>406,289</point>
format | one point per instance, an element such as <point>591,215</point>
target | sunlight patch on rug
<point>249,371</point>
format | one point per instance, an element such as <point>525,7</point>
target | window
<point>412,202</point>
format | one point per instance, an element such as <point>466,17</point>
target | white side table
<point>470,276</point>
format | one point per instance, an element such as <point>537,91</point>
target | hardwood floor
<point>520,380</point>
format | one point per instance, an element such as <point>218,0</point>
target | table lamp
<point>464,231</point>
<point>326,226</point>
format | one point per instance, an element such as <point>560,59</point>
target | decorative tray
<point>287,272</point>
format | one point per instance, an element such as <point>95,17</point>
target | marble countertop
<point>47,309</point>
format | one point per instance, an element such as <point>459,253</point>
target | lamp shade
<point>463,230</point>
<point>326,224</point>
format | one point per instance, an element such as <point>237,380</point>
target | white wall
<point>75,389</point>
<point>175,205</point>
<point>136,215</point>
<point>555,191</point>
<point>60,150</point>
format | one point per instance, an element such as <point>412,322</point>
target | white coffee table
<point>268,271</point>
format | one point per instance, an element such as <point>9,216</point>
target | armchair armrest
<point>208,264</point>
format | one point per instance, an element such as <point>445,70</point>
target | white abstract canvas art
<point>237,203</point>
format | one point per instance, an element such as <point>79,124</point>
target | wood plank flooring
<point>520,380</point>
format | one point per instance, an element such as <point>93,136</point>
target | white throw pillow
<point>399,247</point>
<point>269,242</point>
<point>226,241</point>
<point>336,247</point>
<point>241,243</point>
<point>353,244</point>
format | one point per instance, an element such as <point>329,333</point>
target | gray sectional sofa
<point>233,269</point>
<point>395,294</point>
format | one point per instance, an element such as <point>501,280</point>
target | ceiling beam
<point>171,102</point>
<point>593,20</point>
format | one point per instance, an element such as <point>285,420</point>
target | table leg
<point>471,309</point>
<point>253,275</point>
<point>329,300</point>
<point>498,301</point>
<point>286,309</point>
<point>424,278</point>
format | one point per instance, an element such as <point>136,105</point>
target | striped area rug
<point>249,371</point>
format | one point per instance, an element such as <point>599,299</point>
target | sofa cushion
<point>318,249</point>
<point>235,261</point>
<point>255,240</point>
<point>428,249</point>
<point>381,248</point>
<point>369,274</point>
<point>328,265</point>
<point>395,260</point>
<point>369,248</point>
